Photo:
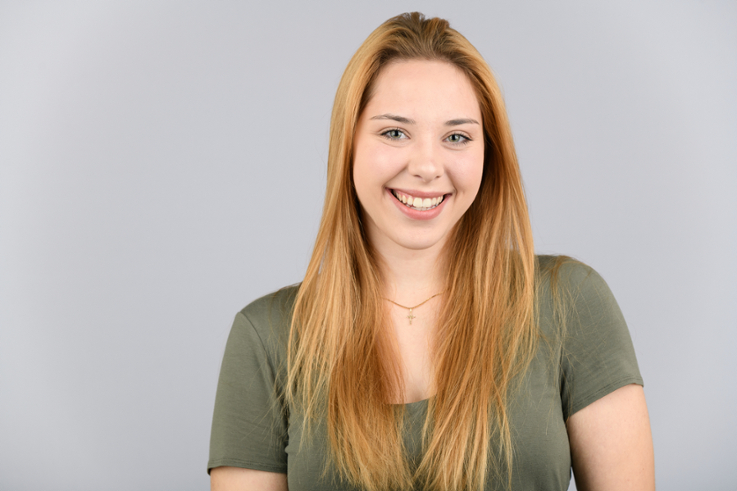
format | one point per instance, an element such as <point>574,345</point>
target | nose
<point>426,162</point>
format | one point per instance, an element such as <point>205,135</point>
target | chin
<point>419,243</point>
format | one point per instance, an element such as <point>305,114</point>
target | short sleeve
<point>249,427</point>
<point>597,355</point>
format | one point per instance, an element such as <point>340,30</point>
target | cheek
<point>361,175</point>
<point>359,167</point>
<point>373,167</point>
<point>478,172</point>
<point>359,183</point>
<point>469,175</point>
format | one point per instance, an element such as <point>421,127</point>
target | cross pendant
<point>410,317</point>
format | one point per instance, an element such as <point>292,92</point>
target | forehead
<point>417,88</point>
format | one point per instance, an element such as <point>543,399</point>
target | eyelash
<point>465,140</point>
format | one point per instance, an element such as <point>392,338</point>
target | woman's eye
<point>458,138</point>
<point>394,134</point>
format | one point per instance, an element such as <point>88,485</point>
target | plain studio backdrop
<point>163,163</point>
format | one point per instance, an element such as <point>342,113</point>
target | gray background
<point>163,163</point>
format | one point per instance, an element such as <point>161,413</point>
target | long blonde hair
<point>338,368</point>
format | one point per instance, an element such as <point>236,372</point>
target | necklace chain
<point>410,316</point>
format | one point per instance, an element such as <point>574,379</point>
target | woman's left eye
<point>457,138</point>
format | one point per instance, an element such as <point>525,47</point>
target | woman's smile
<point>415,200</point>
<point>417,207</point>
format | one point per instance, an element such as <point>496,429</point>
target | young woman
<point>428,347</point>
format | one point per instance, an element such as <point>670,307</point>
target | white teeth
<point>418,203</point>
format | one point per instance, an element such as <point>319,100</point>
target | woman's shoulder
<point>565,266</point>
<point>581,317</point>
<point>279,302</point>
<point>573,293</point>
<point>566,286</point>
<point>270,315</point>
<point>566,274</point>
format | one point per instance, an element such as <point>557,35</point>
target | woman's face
<point>418,154</point>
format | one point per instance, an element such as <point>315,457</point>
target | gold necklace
<point>410,316</point>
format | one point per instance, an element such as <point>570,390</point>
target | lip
<point>420,194</point>
<point>417,214</point>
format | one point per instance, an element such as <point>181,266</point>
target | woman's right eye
<point>394,134</point>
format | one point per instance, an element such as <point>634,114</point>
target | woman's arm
<point>237,479</point>
<point>611,443</point>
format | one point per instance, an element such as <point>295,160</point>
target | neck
<point>411,276</point>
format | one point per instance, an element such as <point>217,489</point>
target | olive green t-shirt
<point>252,429</point>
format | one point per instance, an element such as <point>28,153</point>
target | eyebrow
<point>394,117</point>
<point>403,120</point>
<point>456,122</point>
